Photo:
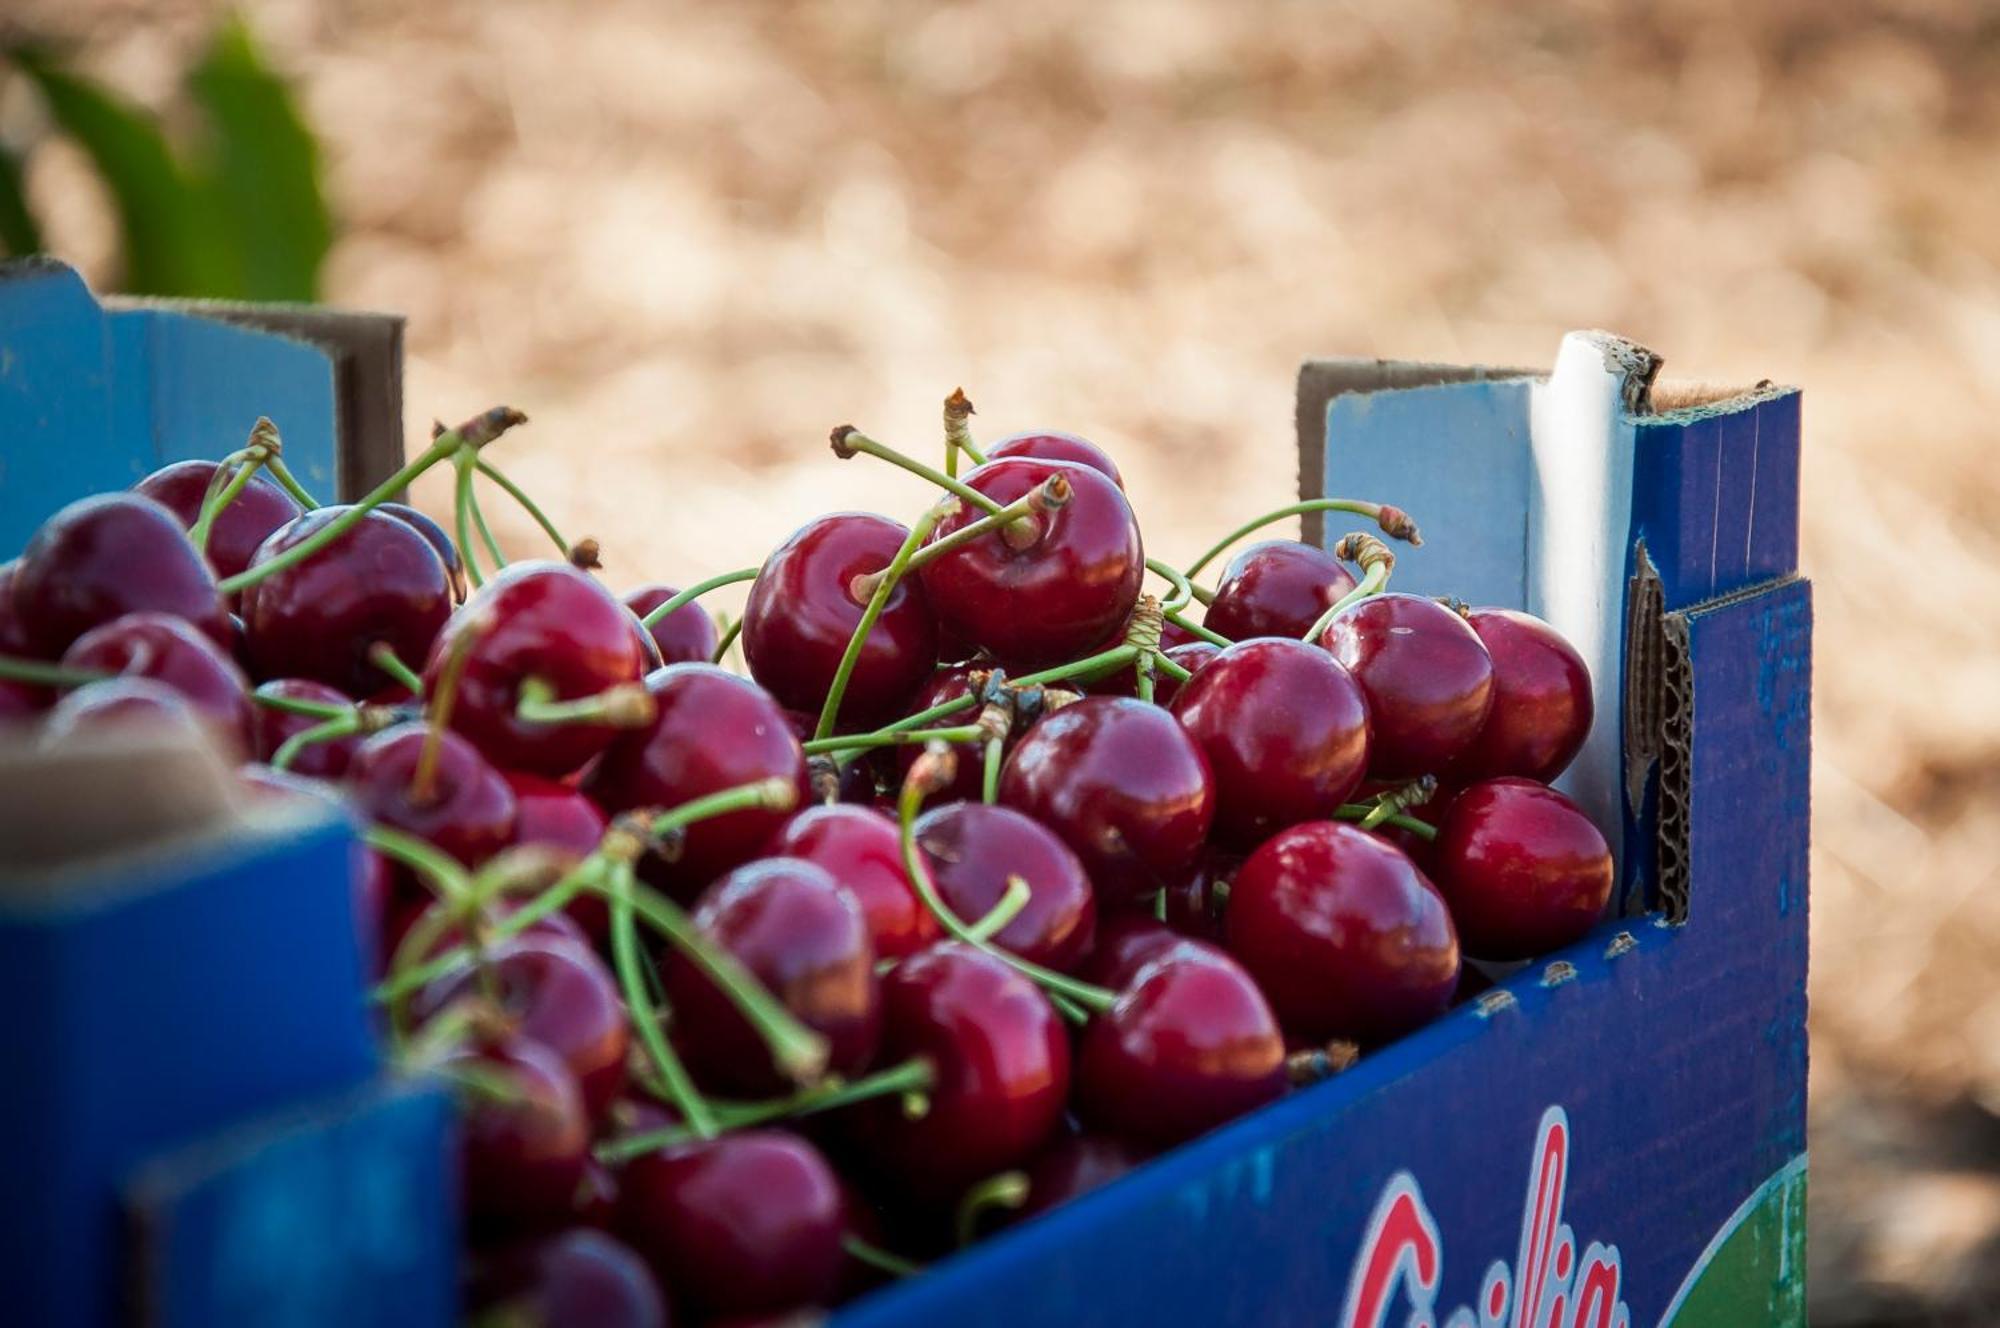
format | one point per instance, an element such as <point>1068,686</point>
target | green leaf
<point>18,232</point>
<point>262,167</point>
<point>172,243</point>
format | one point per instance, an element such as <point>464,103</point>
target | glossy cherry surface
<point>554,815</point>
<point>1285,730</point>
<point>1053,446</point>
<point>124,704</point>
<point>1343,933</point>
<point>1039,601</point>
<point>685,636</point>
<point>1190,1044</point>
<point>271,728</point>
<point>1127,941</point>
<point>434,535</point>
<point>711,731</point>
<point>1124,786</point>
<point>1276,587</point>
<point>1542,706</point>
<point>545,622</point>
<point>579,1278</point>
<point>805,604</point>
<point>804,938</point>
<point>1428,678</point>
<point>104,557</point>
<point>861,849</point>
<point>522,1149</point>
<point>259,508</point>
<point>747,1223</point>
<point>1001,1059</point>
<point>170,650</point>
<point>379,582</point>
<point>467,812</point>
<point>972,849</point>
<point>1525,871</point>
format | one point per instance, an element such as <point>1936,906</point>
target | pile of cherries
<point>998,873</point>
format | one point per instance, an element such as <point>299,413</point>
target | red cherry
<point>596,1202</point>
<point>1001,1060</point>
<point>1054,446</point>
<point>1189,1044</point>
<point>467,812</point>
<point>124,705</point>
<point>522,1149</point>
<point>547,623</point>
<point>271,728</point>
<point>1074,1166</point>
<point>581,1278</point>
<point>711,731</point>
<point>169,650</point>
<point>948,684</point>
<point>380,582</point>
<point>1525,871</point>
<point>409,908</point>
<point>1285,731</point>
<point>1428,678</point>
<point>1542,705</point>
<point>1343,933</point>
<point>1124,786</point>
<point>554,815</point>
<point>804,938</point>
<point>1036,602</point>
<point>434,535</point>
<point>13,634</point>
<point>743,1224</point>
<point>1431,812</point>
<point>557,993</point>
<point>104,557</point>
<point>1195,907</point>
<point>685,636</point>
<point>257,510</point>
<point>1127,941</point>
<point>1276,588</point>
<point>861,849</point>
<point>19,701</point>
<point>972,849</point>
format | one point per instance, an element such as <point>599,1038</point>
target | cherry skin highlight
<point>972,849</point>
<point>523,1154</point>
<point>1428,678</point>
<point>468,812</point>
<point>126,704</point>
<point>685,636</point>
<point>1276,588</point>
<point>257,510</point>
<point>104,557</point>
<point>170,650</point>
<point>862,850</point>
<point>1542,705</point>
<point>1053,446</point>
<point>435,536</point>
<point>1524,870</point>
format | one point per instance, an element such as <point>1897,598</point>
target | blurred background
<point>689,238</point>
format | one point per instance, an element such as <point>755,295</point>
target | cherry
<point>596,1201</point>
<point>434,535</point>
<point>1428,678</point>
<point>259,508</point>
<point>861,849</point>
<point>1285,731</point>
<point>1542,705</point>
<point>122,705</point>
<point>1430,811</point>
<point>853,782</point>
<point>1276,587</point>
<point>1127,941</point>
<point>101,558</point>
<point>1190,1044</point>
<point>580,1278</point>
<point>1343,933</point>
<point>742,1224</point>
<point>154,645</point>
<point>13,634</point>
<point>711,731</point>
<point>1074,1166</point>
<point>271,728</point>
<point>802,936</point>
<point>467,810</point>
<point>1001,1064</point>
<point>557,993</point>
<point>554,815</point>
<point>20,701</point>
<point>1195,906</point>
<point>379,583</point>
<point>409,909</point>
<point>1525,871</point>
<point>972,850</point>
<point>523,1135</point>
<point>807,601</point>
<point>1124,786</point>
<point>1053,446</point>
<point>1038,598</point>
<point>685,636</point>
<point>543,624</point>
<point>948,684</point>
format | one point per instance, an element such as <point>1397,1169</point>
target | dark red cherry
<point>1195,907</point>
<point>685,636</point>
<point>409,908</point>
<point>1075,1165</point>
<point>123,705</point>
<point>580,1278</point>
<point>802,936</point>
<point>467,811</point>
<point>170,650</point>
<point>1524,870</point>
<point>434,535</point>
<point>19,701</point>
<point>271,728</point>
<point>1124,786</point>
<point>1190,1044</point>
<point>861,849</point>
<point>747,1223</point>
<point>553,815</point>
<point>545,623</point>
<point>380,582</point>
<point>1001,1060</point>
<point>523,1135</point>
<point>853,782</point>
<point>1431,812</point>
<point>1276,587</point>
<point>259,508</point>
<point>1343,933</point>
<point>1542,705</point>
<point>1039,598</point>
<point>597,1197</point>
<point>1127,941</point>
<point>1285,731</point>
<point>807,601</point>
<point>558,993</point>
<point>101,558</point>
<point>947,685</point>
<point>711,731</point>
<point>13,635</point>
<point>1054,446</point>
<point>972,849</point>
<point>1428,678</point>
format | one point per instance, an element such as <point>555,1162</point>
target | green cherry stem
<point>406,973</point>
<point>461,512</point>
<point>431,863</point>
<point>884,585</point>
<point>625,705</point>
<point>1184,588</point>
<point>383,656</point>
<point>1005,909</point>
<point>443,698</point>
<point>1167,666</point>
<point>1051,494</point>
<point>282,473</point>
<point>895,1265</point>
<point>527,504</point>
<point>216,503</point>
<point>989,772</point>
<point>1376,563</point>
<point>697,590</point>
<point>911,1076</point>
<point>958,437</point>
<point>680,1087</point>
<point>772,795</point>
<point>41,673</point>
<point>848,441</point>
<point>1196,630</point>
<point>728,639</point>
<point>1361,811</point>
<point>1394,521</point>
<point>467,461</point>
<point>340,726</point>
<point>1008,1190</point>
<point>847,742</point>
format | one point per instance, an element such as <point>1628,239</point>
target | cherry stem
<point>625,705</point>
<point>41,673</point>
<point>340,726</point>
<point>442,701</point>
<point>1395,522</point>
<point>989,774</point>
<point>1052,494</point>
<point>477,432</point>
<point>727,639</point>
<point>218,501</point>
<point>467,461</point>
<point>527,504</point>
<point>878,1258</point>
<point>1090,667</point>
<point>847,440</point>
<point>1377,563</point>
<point>461,509</point>
<point>1198,631</point>
<point>885,585</point>
<point>1185,589</point>
<point>847,742</point>
<point>1171,668</point>
<point>911,1076</point>
<point>1391,801</point>
<point>1008,1190</point>
<point>1142,673</point>
<point>957,437</point>
<point>696,591</point>
<point>771,795</point>
<point>282,473</point>
<point>1361,811</point>
<point>680,1086</point>
<point>1005,909</point>
<point>428,861</point>
<point>383,656</point>
<point>294,705</point>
